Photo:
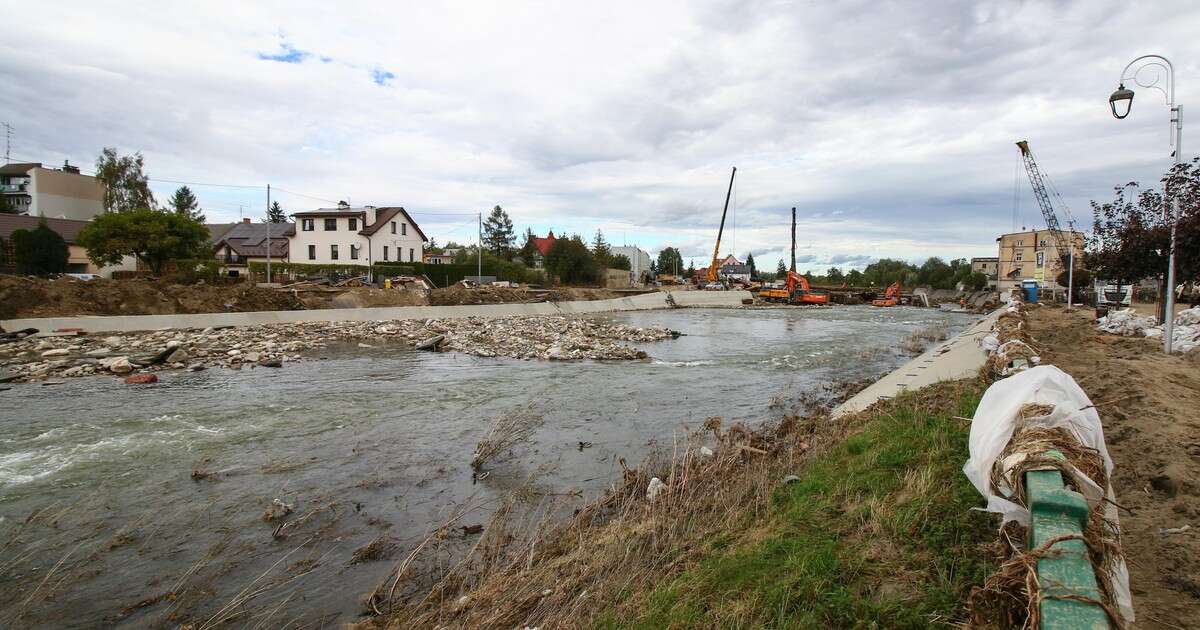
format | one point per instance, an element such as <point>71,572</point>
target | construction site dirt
<point>25,297</point>
<point>1147,402</point>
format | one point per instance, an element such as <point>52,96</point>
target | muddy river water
<point>144,506</point>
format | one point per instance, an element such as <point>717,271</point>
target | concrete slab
<point>126,323</point>
<point>952,359</point>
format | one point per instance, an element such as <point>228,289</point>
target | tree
<point>750,264</point>
<point>126,187</point>
<point>1129,239</point>
<point>601,250</point>
<point>153,236</point>
<point>39,251</point>
<point>835,276</point>
<point>691,269</point>
<point>854,278</point>
<point>977,281</point>
<point>781,270</point>
<point>185,203</point>
<point>936,273</point>
<point>1082,279</point>
<point>885,271</point>
<point>620,261</point>
<point>529,251</point>
<point>275,214</point>
<point>670,261</point>
<point>498,234</point>
<point>570,260</point>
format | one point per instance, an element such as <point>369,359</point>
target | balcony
<point>232,259</point>
<point>13,188</point>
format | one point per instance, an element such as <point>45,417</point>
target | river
<point>144,506</point>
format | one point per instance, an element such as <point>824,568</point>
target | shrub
<point>39,251</point>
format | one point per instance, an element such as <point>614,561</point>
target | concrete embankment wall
<point>953,359</point>
<point>125,323</point>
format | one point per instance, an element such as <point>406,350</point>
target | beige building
<point>1033,255</point>
<point>77,258</point>
<point>988,266</point>
<point>356,236</point>
<point>52,193</point>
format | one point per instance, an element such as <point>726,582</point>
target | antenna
<point>8,131</point>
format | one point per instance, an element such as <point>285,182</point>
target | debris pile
<point>35,357</point>
<point>1185,336</point>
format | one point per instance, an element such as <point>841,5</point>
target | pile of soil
<point>66,297</point>
<point>457,294</point>
<point>1147,402</point>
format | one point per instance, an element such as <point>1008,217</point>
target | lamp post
<point>1121,103</point>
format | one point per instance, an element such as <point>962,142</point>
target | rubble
<point>1125,322</point>
<point>557,338</point>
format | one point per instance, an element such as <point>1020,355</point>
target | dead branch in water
<point>507,430</point>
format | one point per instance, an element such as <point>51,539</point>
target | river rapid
<point>144,506</point>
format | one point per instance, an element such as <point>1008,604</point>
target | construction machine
<point>713,276</point>
<point>795,291</point>
<point>891,296</point>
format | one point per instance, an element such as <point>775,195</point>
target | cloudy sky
<point>890,126</point>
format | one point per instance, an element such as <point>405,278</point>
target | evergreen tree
<point>750,264</point>
<point>691,270</point>
<point>670,261</point>
<point>275,213</point>
<point>498,234</point>
<point>781,270</point>
<point>601,250</point>
<point>185,203</point>
<point>529,251</point>
<point>40,250</point>
<point>126,187</point>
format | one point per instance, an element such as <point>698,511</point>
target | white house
<point>356,236</point>
<point>639,261</point>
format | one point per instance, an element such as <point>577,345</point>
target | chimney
<point>246,220</point>
<point>67,168</point>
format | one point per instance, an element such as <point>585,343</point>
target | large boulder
<point>119,365</point>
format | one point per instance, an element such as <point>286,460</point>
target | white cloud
<point>889,125</point>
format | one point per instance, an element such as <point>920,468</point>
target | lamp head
<point>1121,102</point>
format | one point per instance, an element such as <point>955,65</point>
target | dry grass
<point>919,340</point>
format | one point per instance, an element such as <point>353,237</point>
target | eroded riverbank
<point>368,444</point>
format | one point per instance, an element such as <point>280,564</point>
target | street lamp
<point>1152,71</point>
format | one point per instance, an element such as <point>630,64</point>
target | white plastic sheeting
<point>1185,336</point>
<point>995,421</point>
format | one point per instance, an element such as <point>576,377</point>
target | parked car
<point>82,276</point>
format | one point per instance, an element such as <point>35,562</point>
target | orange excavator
<point>891,296</point>
<point>796,291</point>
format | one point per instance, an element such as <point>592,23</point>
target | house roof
<point>250,239</point>
<point>66,228</point>
<point>18,168</point>
<point>217,230</point>
<point>543,244</point>
<point>738,269</point>
<point>330,212</point>
<point>383,215</point>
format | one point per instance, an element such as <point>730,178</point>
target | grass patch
<point>878,532</point>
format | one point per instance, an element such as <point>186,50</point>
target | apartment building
<point>52,193</point>
<point>1033,255</point>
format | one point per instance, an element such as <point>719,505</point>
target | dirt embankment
<point>65,297</point>
<point>1148,403</point>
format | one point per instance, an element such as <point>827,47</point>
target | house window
<point>312,252</point>
<point>307,225</point>
<point>333,252</point>
<point>410,254</point>
<point>330,225</point>
<point>385,252</point>
<point>353,224</point>
<point>393,227</point>
<point>353,251</point>
<point>1019,255</point>
<point>1042,243</point>
<point>1041,259</point>
<point>404,230</point>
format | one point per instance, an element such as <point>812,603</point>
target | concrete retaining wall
<point>125,323</point>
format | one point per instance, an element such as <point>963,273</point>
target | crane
<point>1043,198</point>
<point>712,269</point>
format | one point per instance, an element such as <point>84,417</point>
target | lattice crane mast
<point>1043,198</point>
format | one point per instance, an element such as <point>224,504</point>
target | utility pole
<point>8,130</point>
<point>793,267</point>
<point>268,233</point>
<point>479,272</point>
